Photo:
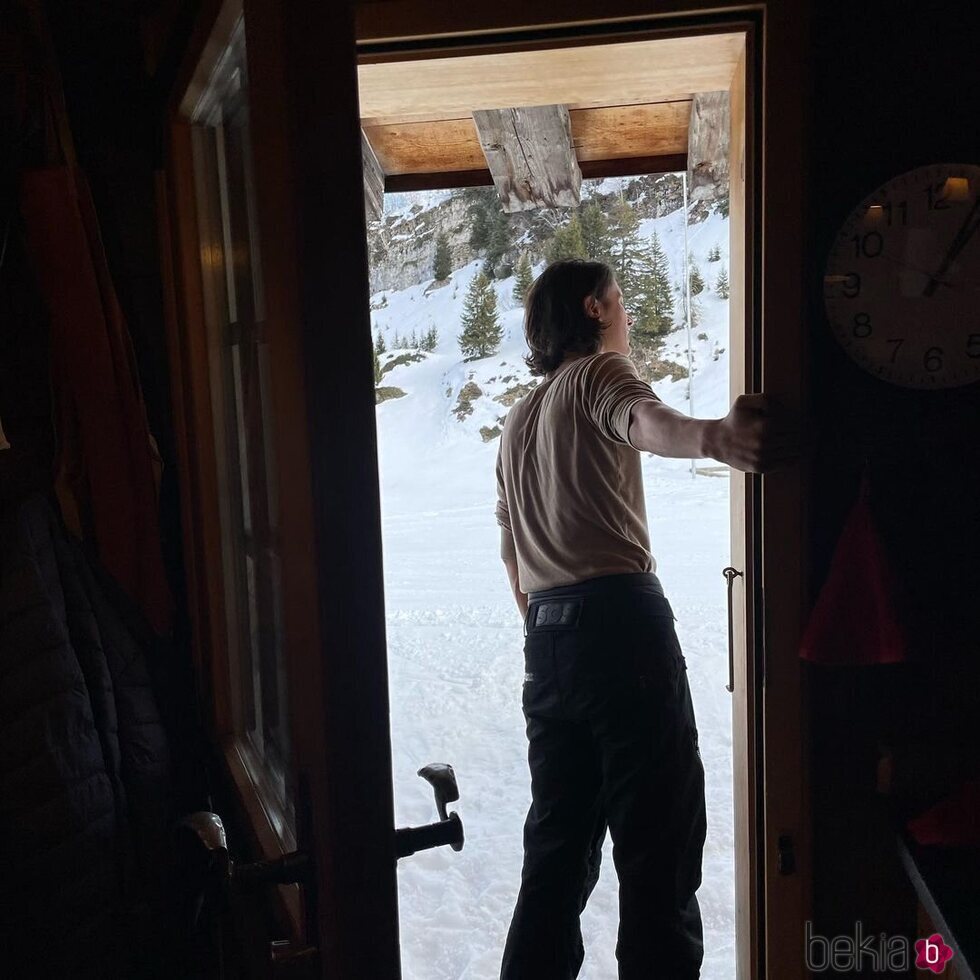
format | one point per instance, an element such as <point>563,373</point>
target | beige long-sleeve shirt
<point>570,501</point>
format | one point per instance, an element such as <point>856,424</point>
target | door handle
<point>202,847</point>
<point>213,878</point>
<point>730,575</point>
<point>448,829</point>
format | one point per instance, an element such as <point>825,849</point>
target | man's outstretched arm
<point>511,565</point>
<point>755,436</point>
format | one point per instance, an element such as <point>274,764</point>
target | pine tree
<point>480,229</point>
<point>567,242</point>
<point>714,255</point>
<point>653,309</point>
<point>721,286</point>
<point>595,231</point>
<point>413,341</point>
<point>431,339</point>
<point>482,332</point>
<point>524,276</point>
<point>379,344</point>
<point>377,368</point>
<point>626,253</point>
<point>697,281</point>
<point>443,263</point>
<point>497,241</point>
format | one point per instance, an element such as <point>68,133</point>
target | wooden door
<point>273,381</point>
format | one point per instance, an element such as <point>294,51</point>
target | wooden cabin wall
<point>114,110</point>
<point>891,84</point>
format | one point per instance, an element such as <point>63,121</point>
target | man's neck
<point>569,359</point>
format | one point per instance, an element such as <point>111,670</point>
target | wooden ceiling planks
<point>622,73</point>
<point>606,133</point>
<point>618,131</point>
<point>435,146</point>
<point>629,103</point>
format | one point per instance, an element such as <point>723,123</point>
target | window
<point>238,367</point>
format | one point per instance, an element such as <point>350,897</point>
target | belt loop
<point>526,615</point>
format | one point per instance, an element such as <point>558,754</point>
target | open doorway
<point>442,250</point>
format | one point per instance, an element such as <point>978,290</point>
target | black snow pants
<point>612,740</point>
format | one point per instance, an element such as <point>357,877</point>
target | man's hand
<point>757,435</point>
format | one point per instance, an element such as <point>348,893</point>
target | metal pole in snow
<point>687,319</point>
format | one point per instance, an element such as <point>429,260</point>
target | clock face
<point>902,284</point>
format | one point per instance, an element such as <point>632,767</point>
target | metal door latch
<point>730,575</point>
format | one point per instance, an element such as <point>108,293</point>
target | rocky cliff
<point>403,243</point>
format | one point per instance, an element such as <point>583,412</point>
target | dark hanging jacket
<point>84,764</point>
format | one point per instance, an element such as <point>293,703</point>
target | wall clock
<point>902,283</point>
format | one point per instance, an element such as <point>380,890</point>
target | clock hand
<point>970,224</point>
<point>911,268</point>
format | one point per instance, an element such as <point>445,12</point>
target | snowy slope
<point>455,636</point>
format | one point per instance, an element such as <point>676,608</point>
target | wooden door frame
<point>767,301</point>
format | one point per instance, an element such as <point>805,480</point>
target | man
<point>612,736</point>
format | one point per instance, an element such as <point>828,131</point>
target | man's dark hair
<point>555,321</point>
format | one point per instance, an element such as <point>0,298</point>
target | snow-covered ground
<point>455,635</point>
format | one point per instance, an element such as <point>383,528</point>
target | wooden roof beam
<point>707,147</point>
<point>530,155</point>
<point>374,180</point>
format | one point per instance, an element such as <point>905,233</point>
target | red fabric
<point>854,621</point>
<point>107,476</point>
<point>953,822</point>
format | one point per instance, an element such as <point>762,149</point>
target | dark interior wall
<point>891,84</point>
